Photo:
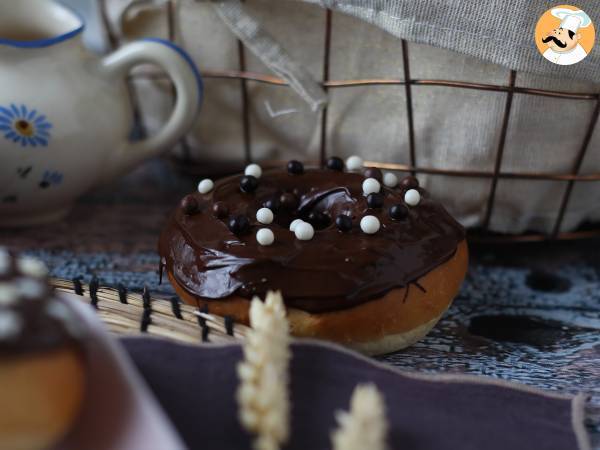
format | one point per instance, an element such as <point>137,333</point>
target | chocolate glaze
<point>32,323</point>
<point>334,270</point>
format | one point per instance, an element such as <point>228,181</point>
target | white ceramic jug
<point>65,116</point>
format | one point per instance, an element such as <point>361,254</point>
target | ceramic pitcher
<point>65,115</point>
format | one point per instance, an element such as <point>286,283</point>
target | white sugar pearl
<point>294,224</point>
<point>412,197</point>
<point>264,236</point>
<point>8,294</point>
<point>30,288</point>
<point>369,224</point>
<point>390,180</point>
<point>370,186</point>
<point>304,231</point>
<point>32,267</point>
<point>264,215</point>
<point>58,311</point>
<point>354,163</point>
<point>253,169</point>
<point>205,186</point>
<point>10,324</point>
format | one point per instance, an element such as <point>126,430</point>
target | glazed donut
<point>360,258</point>
<point>42,370</point>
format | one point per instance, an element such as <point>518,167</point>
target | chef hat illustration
<point>570,19</point>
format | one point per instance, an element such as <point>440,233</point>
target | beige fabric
<point>454,128</point>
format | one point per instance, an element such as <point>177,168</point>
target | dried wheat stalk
<point>365,425</point>
<point>263,391</point>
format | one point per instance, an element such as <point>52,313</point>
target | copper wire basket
<point>481,234</point>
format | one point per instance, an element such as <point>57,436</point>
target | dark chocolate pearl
<point>409,183</point>
<point>273,204</point>
<point>343,222</point>
<point>295,167</point>
<point>248,183</point>
<point>239,225</point>
<point>335,163</point>
<point>398,212</point>
<point>220,210</point>
<point>373,172</point>
<point>318,219</point>
<point>288,201</point>
<point>375,200</point>
<point>189,205</point>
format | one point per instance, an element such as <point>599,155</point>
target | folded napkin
<point>196,387</point>
<point>119,412</point>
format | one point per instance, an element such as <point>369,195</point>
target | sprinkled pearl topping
<point>343,222</point>
<point>8,294</point>
<point>189,205</point>
<point>375,200</point>
<point>354,163</point>
<point>59,311</point>
<point>335,163</point>
<point>205,186</point>
<point>304,231</point>
<point>239,225</point>
<point>295,167</point>
<point>273,204</point>
<point>264,236</point>
<point>398,212</point>
<point>248,183</point>
<point>288,200</point>
<point>264,215</point>
<point>30,288</point>
<point>253,170</point>
<point>410,182</point>
<point>32,267</point>
<point>371,185</point>
<point>412,197</point>
<point>369,224</point>
<point>4,261</point>
<point>220,210</point>
<point>10,324</point>
<point>373,172</point>
<point>294,224</point>
<point>390,180</point>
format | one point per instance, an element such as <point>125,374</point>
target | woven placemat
<point>128,314</point>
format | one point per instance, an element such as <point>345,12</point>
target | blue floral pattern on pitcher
<point>24,126</point>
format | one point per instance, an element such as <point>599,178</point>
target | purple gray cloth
<point>196,387</point>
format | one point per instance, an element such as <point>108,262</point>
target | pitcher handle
<point>189,92</point>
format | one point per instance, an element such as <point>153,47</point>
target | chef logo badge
<point>564,35</point>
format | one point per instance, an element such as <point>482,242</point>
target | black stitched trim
<point>146,298</point>
<point>205,331</point>
<point>228,320</point>
<point>175,307</point>
<point>78,286</point>
<point>94,284</point>
<point>146,320</point>
<point>122,293</point>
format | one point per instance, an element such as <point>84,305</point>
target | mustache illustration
<point>555,40</point>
